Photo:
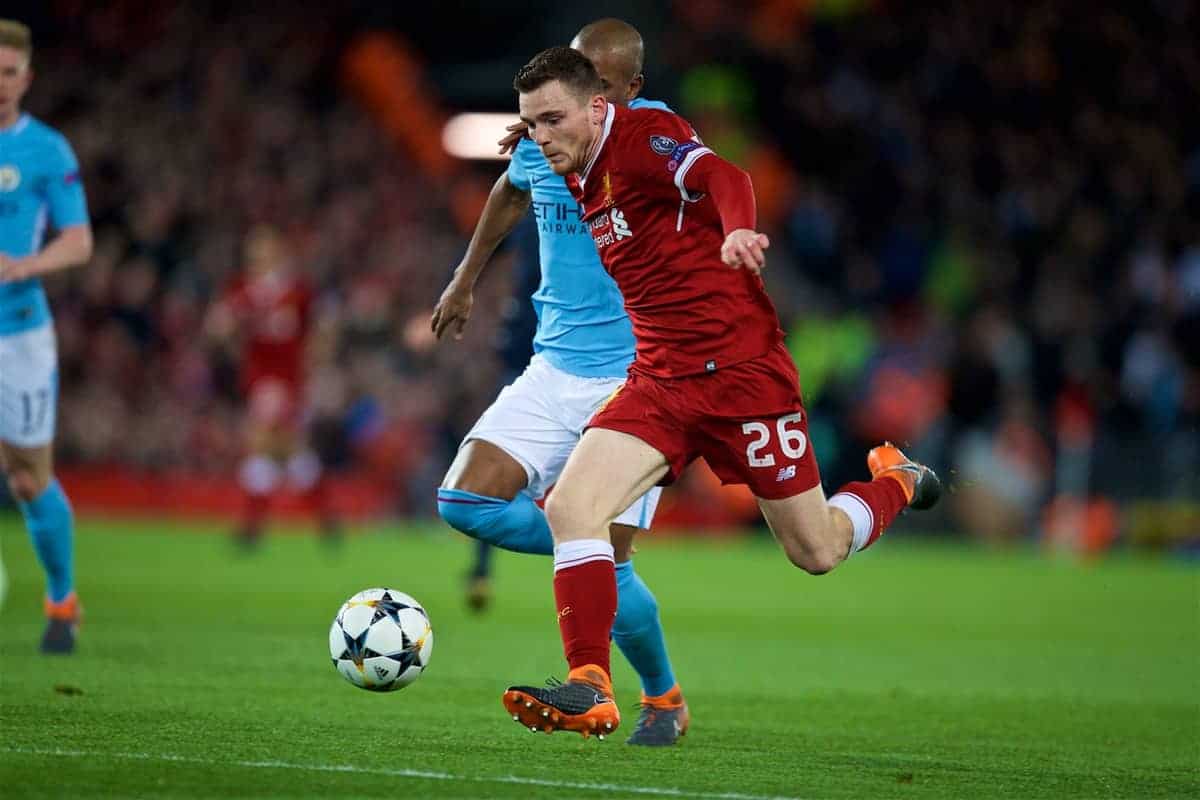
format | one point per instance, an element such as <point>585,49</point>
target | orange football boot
<point>62,623</point>
<point>921,485</point>
<point>584,704</point>
<point>663,721</point>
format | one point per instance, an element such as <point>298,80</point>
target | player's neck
<point>9,119</point>
<point>589,155</point>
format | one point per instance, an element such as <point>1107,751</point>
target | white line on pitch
<point>402,773</point>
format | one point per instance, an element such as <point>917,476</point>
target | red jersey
<point>660,238</point>
<point>274,315</point>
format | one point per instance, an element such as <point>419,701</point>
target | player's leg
<point>507,461</point>
<point>589,495</point>
<point>818,534</point>
<point>638,633</point>
<point>306,474</point>
<point>28,412</point>
<point>771,454</point>
<point>259,477</point>
<point>479,577</point>
<point>483,495</point>
<point>51,526</point>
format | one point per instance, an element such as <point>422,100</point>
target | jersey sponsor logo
<point>787,473</point>
<point>10,178</point>
<point>663,145</point>
<point>556,217</point>
<point>678,153</point>
<point>610,227</point>
<point>620,226</point>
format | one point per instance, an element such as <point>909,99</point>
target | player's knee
<point>25,486</point>
<point>565,513</point>
<point>813,560</point>
<point>464,517</point>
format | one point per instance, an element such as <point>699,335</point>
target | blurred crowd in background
<point>985,224</point>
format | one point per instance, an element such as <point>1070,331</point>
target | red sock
<point>883,497</point>
<point>254,512</point>
<point>317,500</point>
<point>586,598</point>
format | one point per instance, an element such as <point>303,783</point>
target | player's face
<point>15,76</point>
<point>562,124</point>
<point>265,252</point>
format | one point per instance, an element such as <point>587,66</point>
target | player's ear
<point>635,86</point>
<point>597,109</point>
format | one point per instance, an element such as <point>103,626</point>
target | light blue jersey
<point>39,185</point>
<point>582,326</point>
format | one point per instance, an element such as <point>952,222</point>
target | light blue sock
<point>51,525</point>
<point>517,525</point>
<point>638,632</point>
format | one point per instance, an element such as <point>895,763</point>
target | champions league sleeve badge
<point>663,145</point>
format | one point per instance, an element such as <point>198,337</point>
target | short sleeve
<point>667,146</point>
<point>64,187</point>
<point>518,175</point>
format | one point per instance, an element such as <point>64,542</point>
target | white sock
<point>304,470</point>
<point>860,514</point>
<point>259,475</point>
<point>581,551</point>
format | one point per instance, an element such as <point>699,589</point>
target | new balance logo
<point>787,473</point>
<point>620,226</point>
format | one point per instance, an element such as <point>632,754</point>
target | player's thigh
<point>805,527</point>
<point>483,468</point>
<point>28,406</point>
<point>520,442</point>
<point>607,471</point>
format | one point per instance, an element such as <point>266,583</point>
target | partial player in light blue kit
<point>583,346</point>
<point>40,194</point>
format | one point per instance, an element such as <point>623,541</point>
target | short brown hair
<point>569,67</point>
<point>16,35</point>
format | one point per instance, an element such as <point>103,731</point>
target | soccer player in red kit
<point>266,315</point>
<point>674,225</point>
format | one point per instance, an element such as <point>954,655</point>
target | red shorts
<point>746,420</point>
<point>274,403</point>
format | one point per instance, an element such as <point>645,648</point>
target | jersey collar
<point>608,121</point>
<point>21,124</point>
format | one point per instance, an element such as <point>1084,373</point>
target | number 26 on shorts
<point>792,442</point>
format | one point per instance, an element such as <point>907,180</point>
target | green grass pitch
<point>914,671</point>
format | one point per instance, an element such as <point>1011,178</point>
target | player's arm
<point>72,247</point>
<point>67,207</point>
<point>506,205</point>
<point>733,194</point>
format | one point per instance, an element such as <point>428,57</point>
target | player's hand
<point>453,309</point>
<point>516,132</point>
<point>745,248</point>
<point>14,269</point>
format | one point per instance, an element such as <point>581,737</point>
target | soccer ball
<point>381,640</point>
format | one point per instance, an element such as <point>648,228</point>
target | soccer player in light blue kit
<point>39,186</point>
<point>583,345</point>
